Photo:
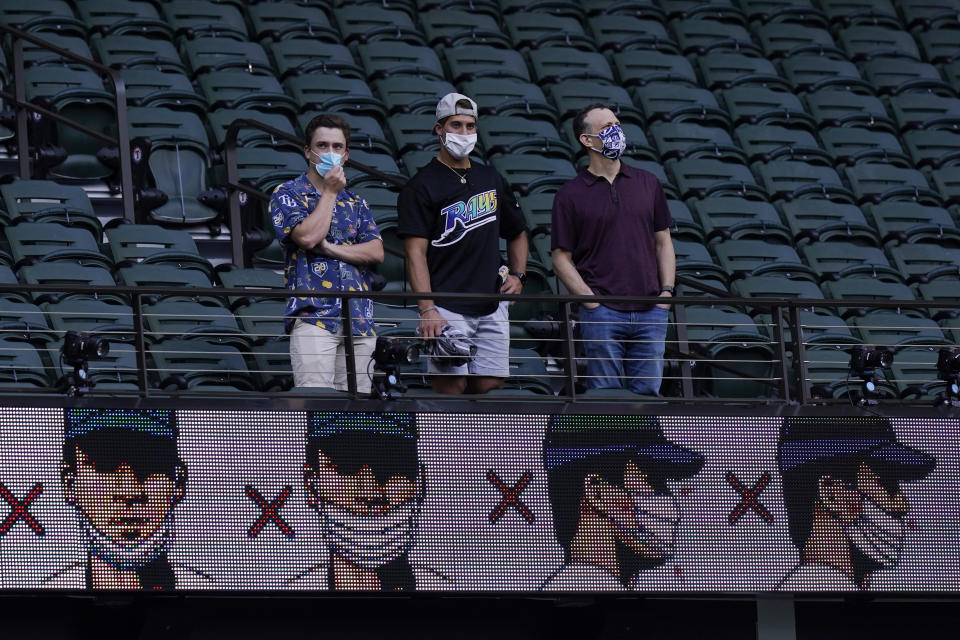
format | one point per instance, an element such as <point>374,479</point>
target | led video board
<point>344,501</point>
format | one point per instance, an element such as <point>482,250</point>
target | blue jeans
<point>619,343</point>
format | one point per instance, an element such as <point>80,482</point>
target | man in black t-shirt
<point>452,215</point>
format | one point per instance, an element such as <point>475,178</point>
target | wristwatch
<point>521,275</point>
<point>668,289</point>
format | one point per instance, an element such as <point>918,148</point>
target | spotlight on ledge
<point>948,370</point>
<point>864,363</point>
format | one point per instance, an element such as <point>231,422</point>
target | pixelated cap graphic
<point>448,106</point>
<point>323,424</point>
<point>156,422</point>
<point>576,437</point>
<point>807,440</point>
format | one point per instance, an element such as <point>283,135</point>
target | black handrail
<point>19,99</point>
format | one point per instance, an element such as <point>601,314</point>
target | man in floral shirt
<point>329,239</point>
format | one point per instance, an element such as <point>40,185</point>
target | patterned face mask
<point>613,140</point>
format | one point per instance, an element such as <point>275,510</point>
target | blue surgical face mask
<point>613,140</point>
<point>328,160</point>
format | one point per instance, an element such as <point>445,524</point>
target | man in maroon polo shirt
<point>611,236</point>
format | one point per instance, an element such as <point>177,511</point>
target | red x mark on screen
<point>748,498</point>
<point>270,511</point>
<point>19,509</point>
<point>510,496</point>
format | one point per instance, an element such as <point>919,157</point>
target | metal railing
<point>781,360</point>
<point>22,106</point>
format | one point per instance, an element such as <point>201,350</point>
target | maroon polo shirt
<point>609,230</point>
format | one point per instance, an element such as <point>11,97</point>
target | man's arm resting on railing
<point>315,227</point>
<point>369,252</point>
<point>517,251</point>
<point>666,263</point>
<point>431,322</point>
<point>564,268</point>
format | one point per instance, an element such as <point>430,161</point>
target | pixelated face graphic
<point>124,507</point>
<point>617,503</point>
<point>361,492</point>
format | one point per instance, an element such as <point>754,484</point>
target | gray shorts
<point>491,334</point>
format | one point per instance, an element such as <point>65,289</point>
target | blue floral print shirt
<point>352,223</point>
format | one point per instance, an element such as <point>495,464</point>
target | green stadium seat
<point>932,147</point>
<point>79,95</point>
<point>507,96</point>
<point>940,290</point>
<point>679,139</point>
<point>902,222</point>
<point>766,142</point>
<point>382,161</point>
<point>685,225</point>
<point>195,365</point>
<point>20,364</point>
<point>837,259</point>
<point>914,371</point>
<point>135,17</point>
<point>703,35</point>
<point>538,210</point>
<point>808,73</point>
<point>281,21</point>
<point>527,372</point>
<point>207,55</point>
<point>845,12</point>
<point>925,110</point>
<point>890,76</point>
<point>471,61</point>
<point>721,10</point>
<point>740,219</point>
<point>453,28</point>
<point>69,275</point>
<point>741,258</point>
<point>645,66</point>
<point>786,179</point>
<point>694,261</point>
<point>270,365</point>
<point>511,134</point>
<point>300,56</point>
<point>195,18</point>
<point>705,177</point>
<point>946,182</point>
<point>866,42</point>
<point>572,95</point>
<point>896,331</point>
<point>397,322</point>
<point>24,321</point>
<point>535,30</point>
<point>852,145</point>
<point>245,90</point>
<point>264,168</point>
<point>47,201</point>
<point>776,288</point>
<point>390,59</point>
<point>330,92</point>
<point>617,32</point>
<point>262,320</point>
<point>782,39</point>
<point>370,23</point>
<point>32,241</point>
<point>409,94</point>
<point>414,131</point>
<point>819,329</point>
<point>135,51</point>
<point>938,45</point>
<point>924,262</point>
<point>866,291</point>
<point>93,316</point>
<point>151,88</point>
<point>875,182</point>
<point>815,219</point>
<point>153,245</point>
<point>722,70</point>
<point>36,55</point>
<point>168,276</point>
<point>664,101</point>
<point>253,279</point>
<point>40,15</point>
<point>529,173</point>
<point>922,13</point>
<point>856,106</point>
<point>555,64</point>
<point>762,105</point>
<point>221,119</point>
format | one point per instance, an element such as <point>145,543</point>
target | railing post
<point>799,355</point>
<point>123,146</point>
<point>20,91</point>
<point>781,352</point>
<point>233,195</point>
<point>569,350</point>
<point>141,350</point>
<point>346,330</point>
<point>686,371</point>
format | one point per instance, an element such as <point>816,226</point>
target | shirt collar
<point>591,179</point>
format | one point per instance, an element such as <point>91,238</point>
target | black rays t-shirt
<point>464,224</point>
